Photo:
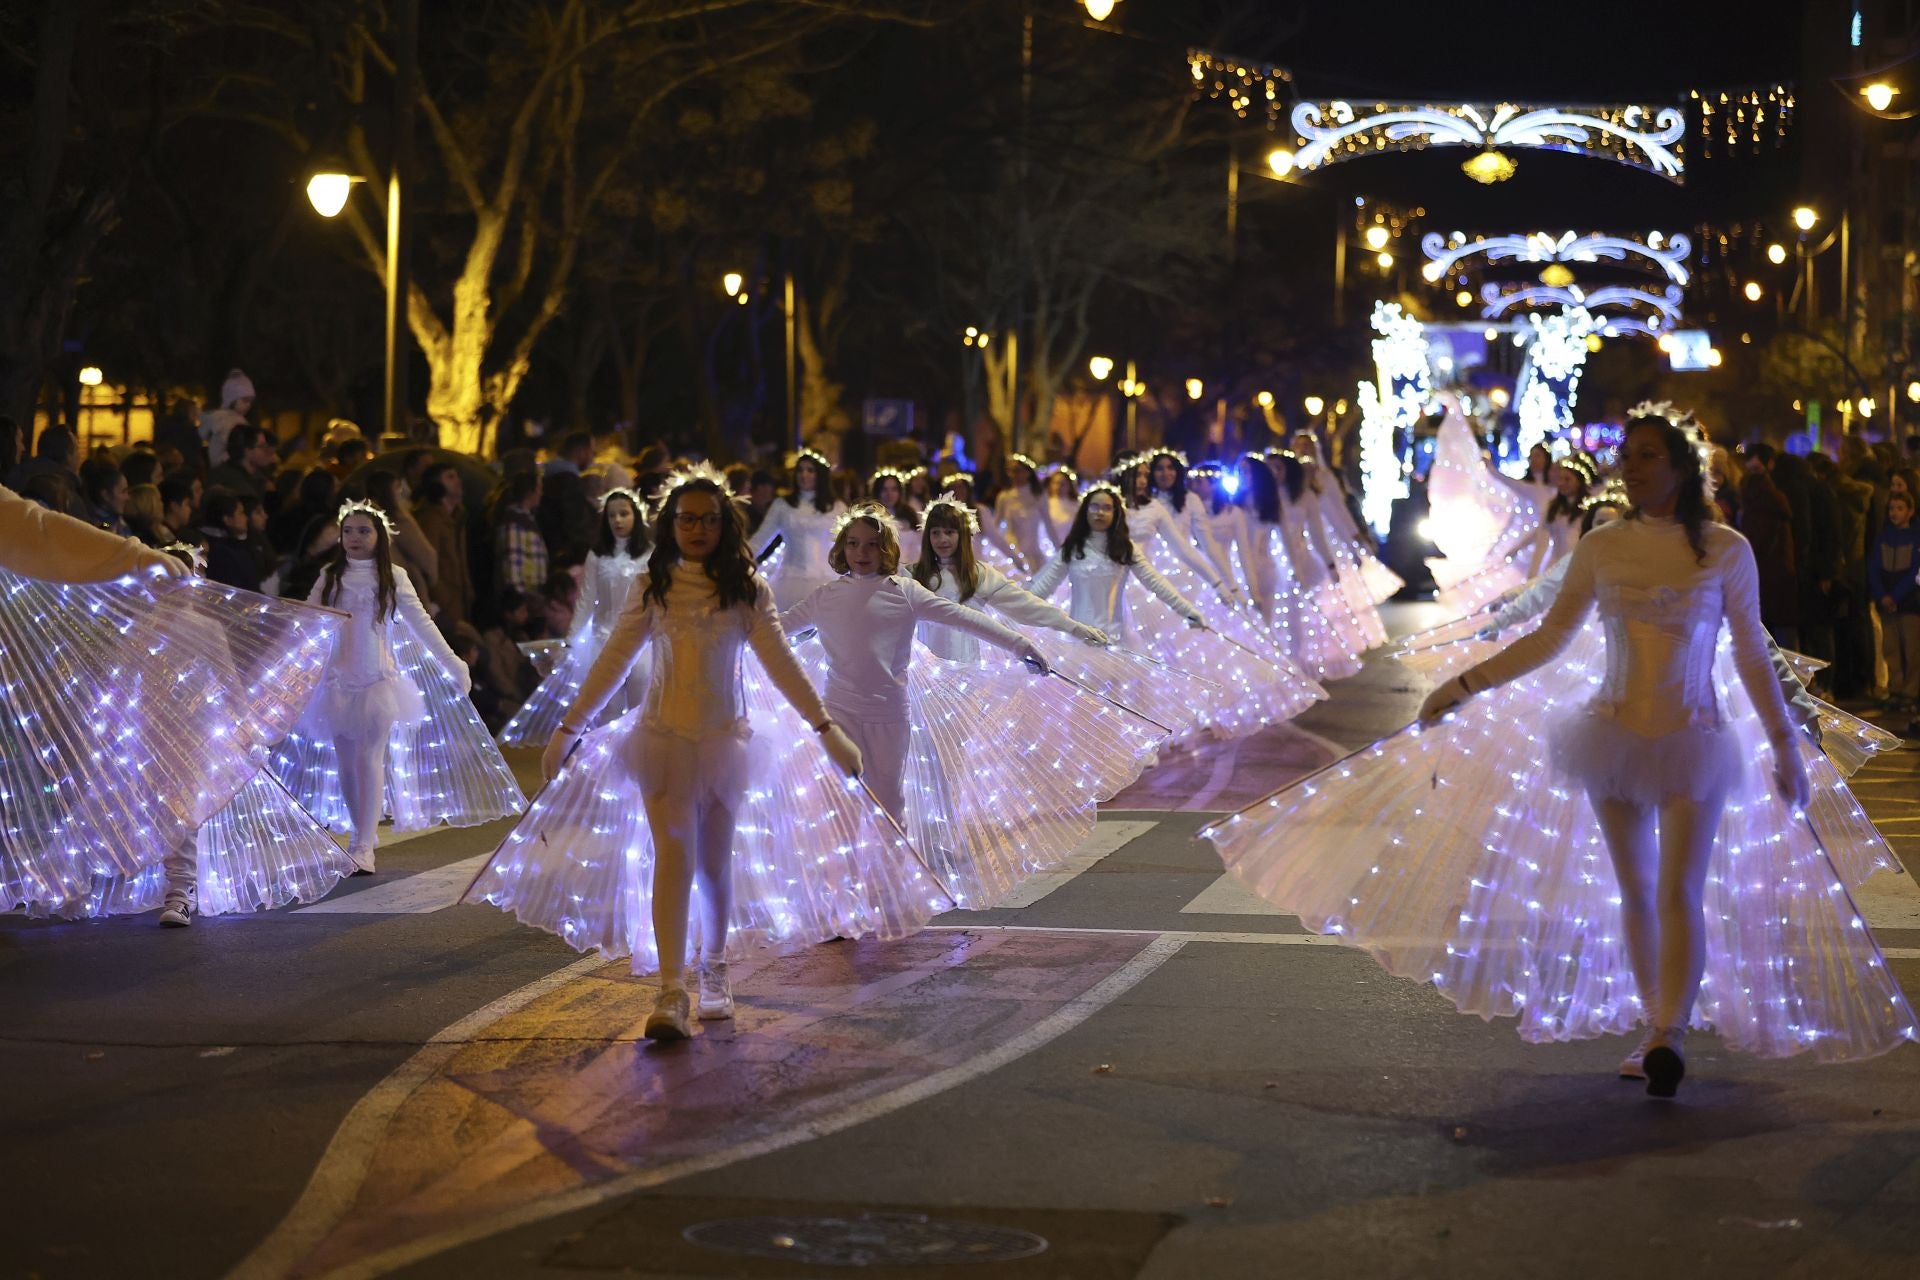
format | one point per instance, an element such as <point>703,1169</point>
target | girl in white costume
<point>866,620</point>
<point>1302,617</point>
<point>714,789</point>
<point>1486,527</point>
<point>1063,503</point>
<point>1239,691</point>
<point>995,547</point>
<point>803,519</point>
<point>889,490</point>
<point>1093,747</point>
<point>391,730</point>
<point>1573,476</point>
<point>1352,549</point>
<point>1021,510</point>
<point>617,559</point>
<point>1595,904</point>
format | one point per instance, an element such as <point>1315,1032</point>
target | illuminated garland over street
<point>1668,253</point>
<point>1393,405</point>
<point>1550,380</point>
<point>1633,303</point>
<point>1647,138</point>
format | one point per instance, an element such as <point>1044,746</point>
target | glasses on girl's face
<point>687,520</point>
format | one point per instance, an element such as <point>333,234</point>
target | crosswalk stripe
<point>414,895</point>
<point>1109,837</point>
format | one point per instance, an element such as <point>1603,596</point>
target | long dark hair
<point>903,510</point>
<point>730,566</point>
<point>1564,508</point>
<point>386,595</point>
<point>1033,474</point>
<point>1119,541</point>
<point>1691,505</point>
<point>822,484</point>
<point>1263,489</point>
<point>1293,474</point>
<point>1177,494</point>
<point>636,546</point>
<point>966,571</point>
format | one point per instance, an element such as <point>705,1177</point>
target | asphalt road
<point>1133,1061</point>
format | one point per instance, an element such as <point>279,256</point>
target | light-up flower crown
<point>1124,465</point>
<point>961,512</point>
<point>1206,471</point>
<point>1107,487</point>
<point>873,511</point>
<point>695,471</point>
<point>817,458</point>
<point>1024,461</point>
<point>1062,469</point>
<point>1683,419</point>
<point>958,477</point>
<point>639,505</point>
<point>361,507</point>
<point>1581,465</point>
<point>1175,454</point>
<point>888,473</point>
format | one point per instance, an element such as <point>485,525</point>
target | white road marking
<point>1109,836</point>
<point>1889,900</point>
<point>330,1193</point>
<point>336,1180</point>
<point>1228,897</point>
<point>418,894</point>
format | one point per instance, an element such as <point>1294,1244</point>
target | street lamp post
<point>329,187</point>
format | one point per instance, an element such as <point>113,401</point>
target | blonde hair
<point>880,518</point>
<point>144,508</point>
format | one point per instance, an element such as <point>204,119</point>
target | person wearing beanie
<point>236,402</point>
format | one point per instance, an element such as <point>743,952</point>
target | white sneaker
<point>716,991</point>
<point>362,861</point>
<point>176,912</point>
<point>668,1021</point>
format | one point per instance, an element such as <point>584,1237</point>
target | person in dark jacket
<point>1818,561</point>
<point>223,525</point>
<point>1767,523</point>
<point>1891,571</point>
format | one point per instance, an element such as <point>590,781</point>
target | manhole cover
<point>870,1240</point>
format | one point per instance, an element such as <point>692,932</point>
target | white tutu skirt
<point>1251,683</point>
<point>813,857</point>
<point>338,711</point>
<point>533,724</point>
<point>1458,855</point>
<point>1603,757</point>
<point>261,852</point>
<point>441,767</point>
<point>133,711</point>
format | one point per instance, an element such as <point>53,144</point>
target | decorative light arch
<point>1648,138</point>
<point>1632,303</point>
<point>1550,380</point>
<point>1669,253</point>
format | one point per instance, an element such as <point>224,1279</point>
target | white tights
<point>363,777</point>
<point>690,836</point>
<point>1660,857</point>
<point>883,758</point>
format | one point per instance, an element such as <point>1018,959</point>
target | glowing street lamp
<point>1377,236</point>
<point>1804,218</point>
<point>327,191</point>
<point>1101,367</point>
<point>1099,10</point>
<point>90,376</point>
<point>1753,291</point>
<point>1386,261</point>
<point>1866,405</point>
<point>1714,357</point>
<point>1879,95</point>
<point>1195,388</point>
<point>1315,406</point>
<point>732,281</point>
<point>1265,399</point>
<point>1280,160</point>
<point>1776,254</point>
<point>1913,392</point>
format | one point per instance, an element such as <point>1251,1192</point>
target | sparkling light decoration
<point>1393,403</point>
<point>1550,379</point>
<point>1668,253</point>
<point>1653,310</point>
<point>1243,84</point>
<point>1743,121</point>
<point>1645,137</point>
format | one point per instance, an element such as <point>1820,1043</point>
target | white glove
<point>1197,622</point>
<point>1790,777</point>
<point>1442,700</point>
<point>1092,635</point>
<point>165,563</point>
<point>463,676</point>
<point>1033,658</point>
<point>556,753</point>
<point>841,750</point>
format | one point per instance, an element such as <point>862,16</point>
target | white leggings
<point>1660,857</point>
<point>363,777</point>
<point>692,793</point>
<point>181,866</point>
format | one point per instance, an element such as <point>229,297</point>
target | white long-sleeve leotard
<point>693,688</point>
<point>1098,586</point>
<point>808,537</point>
<point>1023,514</point>
<point>1192,521</point>
<point>1157,519</point>
<point>364,653</point>
<point>1661,613</point>
<point>866,625</point>
<point>603,592</point>
<point>992,590</point>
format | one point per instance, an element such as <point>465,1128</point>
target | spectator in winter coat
<point>443,522</point>
<point>248,469</point>
<point>520,553</point>
<point>223,530</point>
<point>52,476</point>
<point>1818,562</point>
<point>1768,526</point>
<point>1891,579</point>
<point>236,402</point>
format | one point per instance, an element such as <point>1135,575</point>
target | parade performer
<point>1362,579</point>
<point>135,703</point>
<point>1300,607</point>
<point>865,620</point>
<point>802,519</point>
<point>1021,510</point>
<point>1239,690</point>
<point>1063,502</point>
<point>1095,743</point>
<point>995,547</point>
<point>712,789</point>
<point>1585,883</point>
<point>391,729</point>
<point>1573,479</point>
<point>889,490</point>
<point>618,556</point>
<point>1485,526</point>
